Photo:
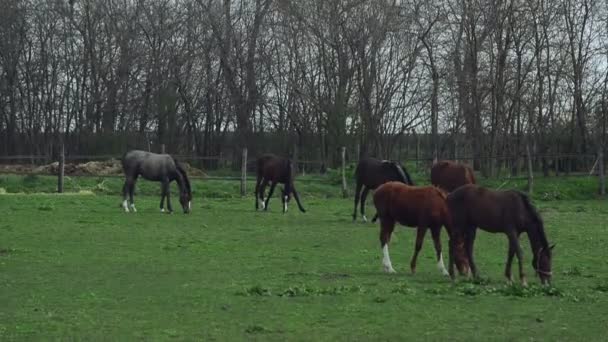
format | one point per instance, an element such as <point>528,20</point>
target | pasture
<point>75,266</point>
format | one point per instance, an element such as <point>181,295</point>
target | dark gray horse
<point>159,168</point>
<point>371,173</point>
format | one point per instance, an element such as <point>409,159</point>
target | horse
<point>415,206</point>
<point>371,173</point>
<point>508,212</point>
<point>155,167</point>
<point>274,169</point>
<point>449,175</point>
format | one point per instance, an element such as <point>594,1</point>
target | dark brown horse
<point>273,169</point>
<point>508,212</point>
<point>449,175</point>
<point>414,206</point>
<point>371,173</point>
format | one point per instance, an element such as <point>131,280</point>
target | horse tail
<point>535,217</point>
<point>471,174</point>
<point>289,177</point>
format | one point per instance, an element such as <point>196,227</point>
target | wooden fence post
<point>244,173</point>
<point>344,190</point>
<point>530,169</point>
<point>602,174</point>
<point>61,171</point>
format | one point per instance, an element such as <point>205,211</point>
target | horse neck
<point>536,235</point>
<point>179,179</point>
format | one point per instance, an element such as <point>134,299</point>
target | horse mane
<point>536,218</point>
<point>404,175</point>
<point>182,172</point>
<point>442,193</point>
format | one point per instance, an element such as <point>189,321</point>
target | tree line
<point>489,77</point>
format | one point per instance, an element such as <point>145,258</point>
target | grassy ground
<point>76,267</point>
<point>326,186</point>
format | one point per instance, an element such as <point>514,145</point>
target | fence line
<point>245,162</point>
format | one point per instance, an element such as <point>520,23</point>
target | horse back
<point>411,205</point>
<point>450,175</point>
<point>473,205</point>
<point>373,172</point>
<point>273,168</point>
<point>151,166</point>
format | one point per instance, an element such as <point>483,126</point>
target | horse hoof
<point>389,270</point>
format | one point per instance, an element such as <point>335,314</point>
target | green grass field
<point>75,267</point>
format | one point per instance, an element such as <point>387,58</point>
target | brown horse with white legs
<point>413,206</point>
<point>450,175</point>
<point>273,169</point>
<point>508,212</point>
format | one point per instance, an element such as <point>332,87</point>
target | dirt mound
<point>111,167</point>
<point>192,171</point>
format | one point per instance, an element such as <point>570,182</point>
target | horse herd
<point>453,201</point>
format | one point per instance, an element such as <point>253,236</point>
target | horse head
<point>542,264</point>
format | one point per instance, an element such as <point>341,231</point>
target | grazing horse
<point>159,168</point>
<point>414,206</point>
<point>508,212</point>
<point>449,175</point>
<point>274,169</point>
<point>371,173</point>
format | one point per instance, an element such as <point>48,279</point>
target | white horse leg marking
<point>364,218</point>
<point>263,204</point>
<point>441,265</point>
<point>386,260</point>
<point>189,205</point>
<point>285,204</point>
<point>162,210</point>
<point>125,205</point>
<point>133,208</point>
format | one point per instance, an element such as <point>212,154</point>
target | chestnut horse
<point>449,175</point>
<point>508,212</point>
<point>415,206</point>
<point>274,169</point>
<point>371,173</point>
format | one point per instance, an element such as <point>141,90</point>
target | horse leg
<point>169,207</point>
<point>363,197</point>
<point>163,193</point>
<point>509,263</point>
<point>257,190</point>
<point>514,243</point>
<point>436,234</point>
<point>469,241</point>
<point>357,191</point>
<point>270,192</point>
<point>419,240</point>
<point>297,197</point>
<point>131,193</point>
<point>261,194</point>
<point>451,251</point>
<point>386,228</point>
<point>125,194</point>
